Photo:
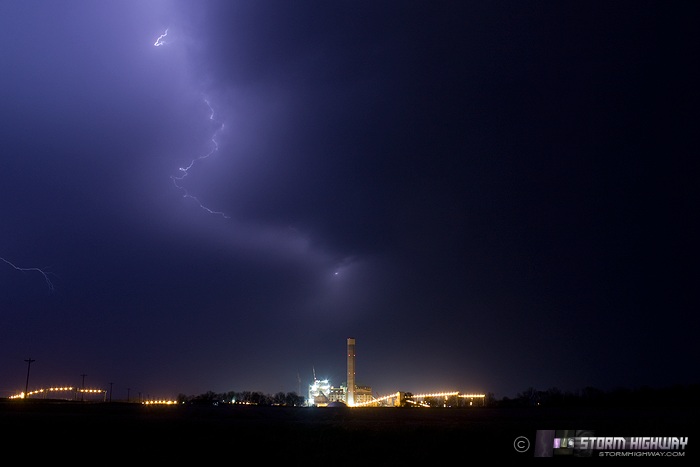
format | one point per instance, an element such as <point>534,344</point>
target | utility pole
<point>26,386</point>
<point>110,391</point>
<point>82,392</point>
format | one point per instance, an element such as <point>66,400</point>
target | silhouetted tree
<point>279,399</point>
<point>292,399</point>
<point>528,397</point>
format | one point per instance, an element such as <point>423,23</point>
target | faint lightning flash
<point>185,170</point>
<point>40,271</point>
<point>160,40</point>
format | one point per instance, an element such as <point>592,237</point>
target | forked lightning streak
<point>184,171</point>
<point>40,271</point>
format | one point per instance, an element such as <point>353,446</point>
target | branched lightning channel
<point>160,41</point>
<point>184,171</point>
<point>40,271</point>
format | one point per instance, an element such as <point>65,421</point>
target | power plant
<point>323,394</point>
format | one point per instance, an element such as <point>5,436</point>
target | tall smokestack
<point>351,372</point>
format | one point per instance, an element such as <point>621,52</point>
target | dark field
<point>100,432</point>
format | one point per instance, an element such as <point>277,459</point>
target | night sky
<point>487,196</point>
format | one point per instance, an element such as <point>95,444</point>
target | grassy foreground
<point>52,430</point>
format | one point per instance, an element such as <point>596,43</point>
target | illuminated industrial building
<point>321,393</point>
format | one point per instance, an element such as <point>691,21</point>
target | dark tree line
<point>672,396</point>
<point>289,399</point>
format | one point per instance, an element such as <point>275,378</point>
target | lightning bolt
<point>40,271</point>
<point>160,40</point>
<point>184,171</point>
